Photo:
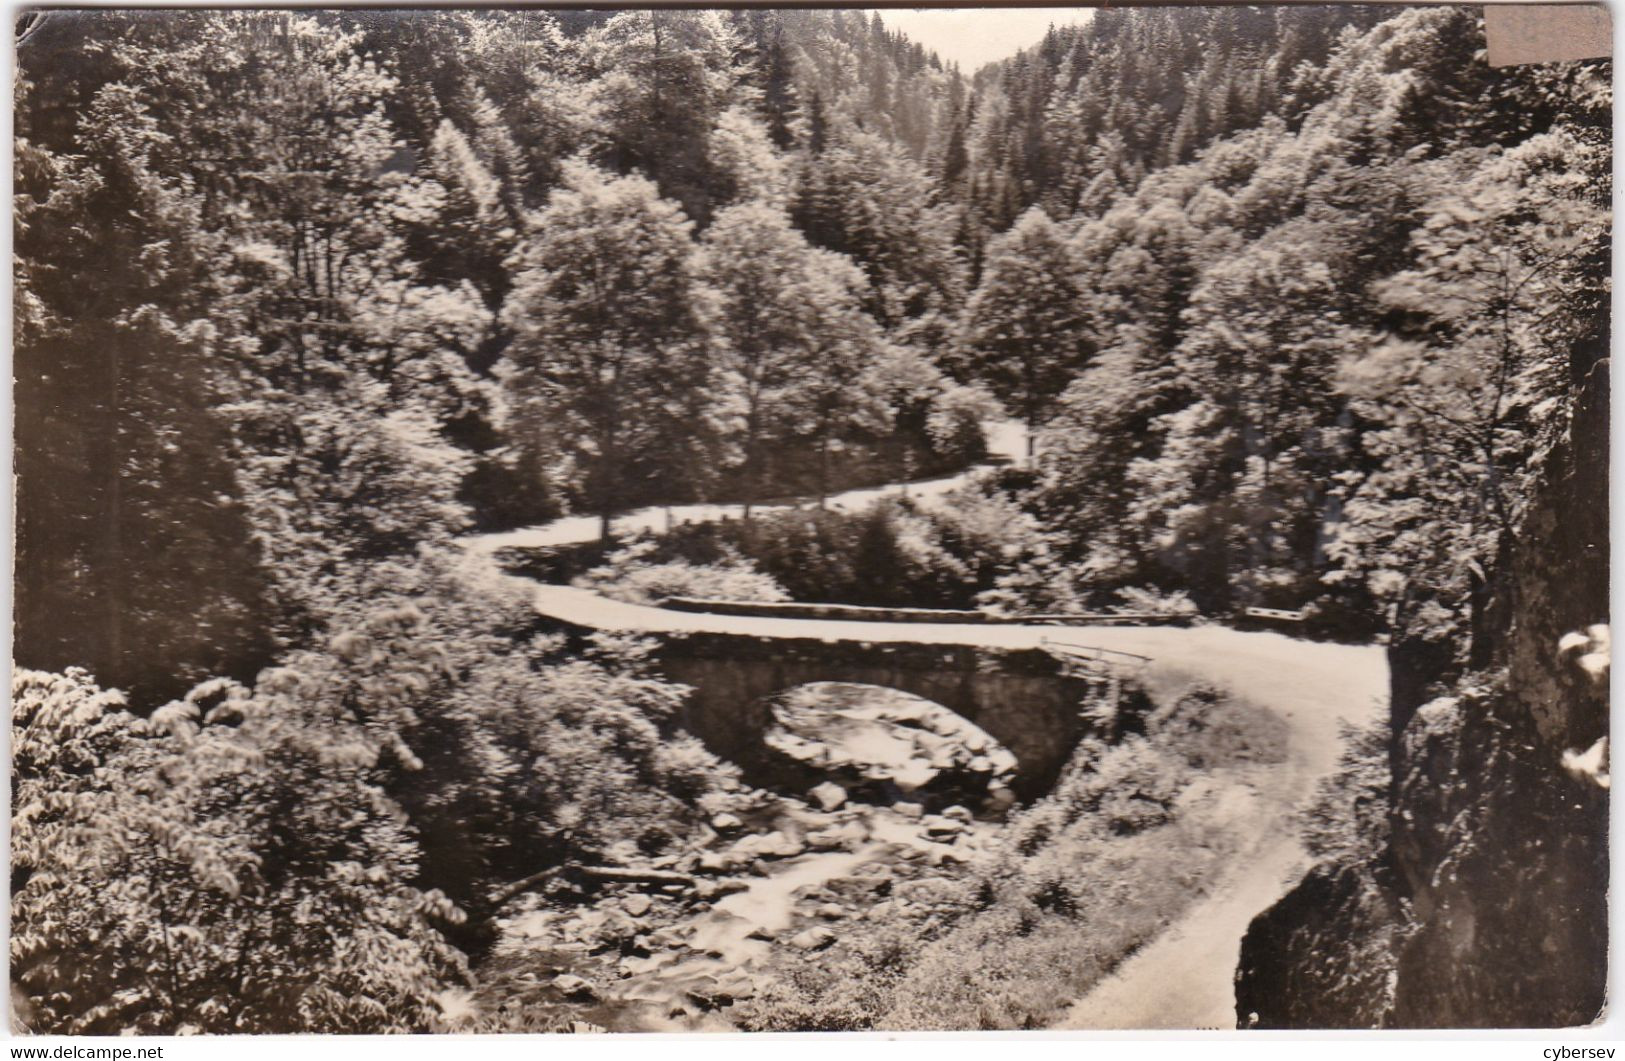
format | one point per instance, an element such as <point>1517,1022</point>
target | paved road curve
<point>1184,978</point>
<point>1005,443</point>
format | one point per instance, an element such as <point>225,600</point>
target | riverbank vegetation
<point>1126,842</point>
<point>1291,309</point>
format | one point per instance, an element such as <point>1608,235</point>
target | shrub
<point>510,753</point>
<point>228,866</point>
<point>1140,601</point>
<point>1210,728</point>
<point>892,554</point>
<point>631,575</point>
<point>1346,820</point>
<point>276,859</point>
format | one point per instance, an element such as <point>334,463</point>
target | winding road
<point>1005,444</point>
<point>1184,978</point>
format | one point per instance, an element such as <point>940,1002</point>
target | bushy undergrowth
<point>893,554</point>
<point>227,866</point>
<point>296,855</point>
<point>980,549</point>
<point>1085,876</point>
<point>633,575</point>
<point>1346,820</point>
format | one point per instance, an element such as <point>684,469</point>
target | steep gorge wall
<point>1487,905</point>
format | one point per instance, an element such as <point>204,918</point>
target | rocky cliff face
<point>1486,906</point>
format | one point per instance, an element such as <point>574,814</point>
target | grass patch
<point>1132,835</point>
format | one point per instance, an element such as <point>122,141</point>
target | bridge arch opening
<point>1036,703</point>
<point>882,745</point>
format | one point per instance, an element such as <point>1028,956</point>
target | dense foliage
<point>1288,299</point>
<point>1332,350</point>
<point>1082,877</point>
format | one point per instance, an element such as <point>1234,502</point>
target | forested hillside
<point>1296,306</point>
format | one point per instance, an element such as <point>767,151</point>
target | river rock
<point>704,994</point>
<point>783,845</point>
<point>936,827</point>
<point>959,814</point>
<point>637,905</point>
<point>616,927</point>
<point>726,823</point>
<point>831,911</point>
<point>775,844</point>
<point>911,811</point>
<point>711,890</point>
<point>825,840</point>
<point>575,988</point>
<point>829,795</point>
<point>665,938</point>
<point>623,853</point>
<point>843,836</point>
<point>816,938</point>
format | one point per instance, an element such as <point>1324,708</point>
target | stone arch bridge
<point>1038,702</point>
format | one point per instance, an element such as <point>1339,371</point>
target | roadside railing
<point>1096,654</point>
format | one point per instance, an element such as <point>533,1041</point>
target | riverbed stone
<point>711,890</point>
<point>828,795</point>
<point>816,938</point>
<point>575,988</point>
<point>775,844</point>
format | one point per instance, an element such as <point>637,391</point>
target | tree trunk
<point>752,467</point>
<point>823,470</point>
<point>608,874</point>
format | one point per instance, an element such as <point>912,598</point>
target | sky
<point>973,36</point>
